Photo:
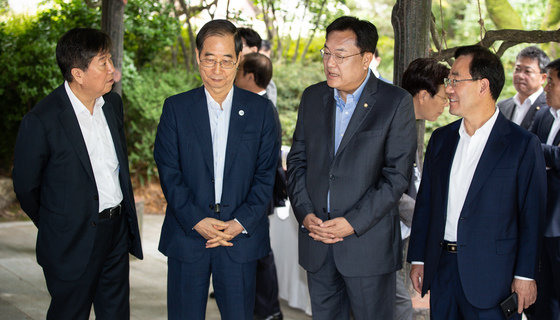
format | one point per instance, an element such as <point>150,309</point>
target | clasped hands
<point>330,231</point>
<point>218,232</point>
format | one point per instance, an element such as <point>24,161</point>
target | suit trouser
<point>234,286</point>
<point>403,303</point>
<point>547,306</point>
<point>332,294</point>
<point>266,298</point>
<point>104,282</point>
<point>447,298</point>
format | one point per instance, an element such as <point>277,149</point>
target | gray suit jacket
<point>366,177</point>
<point>507,108</point>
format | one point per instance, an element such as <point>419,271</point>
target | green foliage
<point>144,93</point>
<point>148,30</point>
<point>553,14</point>
<point>503,15</point>
<point>291,79</point>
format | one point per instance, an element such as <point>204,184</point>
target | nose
<point>547,87</point>
<point>330,61</point>
<point>448,90</point>
<point>111,68</point>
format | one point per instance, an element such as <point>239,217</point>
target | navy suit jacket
<point>184,157</point>
<point>498,229</point>
<point>541,127</point>
<point>54,182</point>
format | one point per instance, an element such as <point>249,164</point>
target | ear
<point>366,59</point>
<point>543,78</point>
<point>197,56</point>
<point>78,75</point>
<point>423,95</point>
<point>484,86</point>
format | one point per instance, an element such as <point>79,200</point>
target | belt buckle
<point>114,211</point>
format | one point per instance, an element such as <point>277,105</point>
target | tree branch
<point>510,37</point>
<point>93,3</point>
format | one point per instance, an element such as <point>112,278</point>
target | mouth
<point>331,74</point>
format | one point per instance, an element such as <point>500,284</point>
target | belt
<point>450,247</point>
<point>110,213</point>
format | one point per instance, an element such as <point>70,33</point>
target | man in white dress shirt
<point>529,76</point>
<point>71,178</point>
<point>481,201</point>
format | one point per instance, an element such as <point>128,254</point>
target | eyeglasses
<point>337,58</point>
<point>455,82</point>
<point>211,63</point>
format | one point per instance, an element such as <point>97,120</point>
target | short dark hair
<point>77,47</point>
<point>554,65</point>
<point>260,66</point>
<point>535,53</point>
<point>219,27</point>
<point>424,74</point>
<point>366,33</point>
<point>252,38</point>
<point>485,65</point>
<point>266,45</point>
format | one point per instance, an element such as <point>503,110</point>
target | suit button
<point>461,218</point>
<point>93,224</point>
<point>331,177</point>
<point>96,197</point>
<point>212,180</point>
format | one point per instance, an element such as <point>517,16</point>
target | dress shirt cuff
<point>417,262</point>
<point>244,231</point>
<point>523,278</point>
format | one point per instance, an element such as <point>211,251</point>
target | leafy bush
<point>291,79</point>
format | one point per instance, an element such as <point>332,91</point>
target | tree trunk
<point>317,22</point>
<point>112,22</point>
<point>411,23</point>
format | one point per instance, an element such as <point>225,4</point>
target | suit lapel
<point>545,127</point>
<point>330,110</point>
<point>508,110</point>
<point>363,107</point>
<point>109,111</point>
<point>201,122</point>
<point>69,122</point>
<point>541,100</point>
<point>493,151</point>
<point>444,160</point>
<point>237,121</point>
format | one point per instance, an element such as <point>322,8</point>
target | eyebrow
<point>206,54</point>
<point>339,49</point>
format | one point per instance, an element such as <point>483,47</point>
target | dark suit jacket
<point>184,156</point>
<point>54,182</point>
<point>541,127</point>
<point>498,229</point>
<point>507,108</point>
<point>366,177</point>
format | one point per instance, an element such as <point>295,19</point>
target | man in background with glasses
<point>481,201</point>
<point>349,164</point>
<point>216,150</point>
<point>529,76</point>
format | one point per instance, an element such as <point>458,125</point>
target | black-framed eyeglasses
<point>211,63</point>
<point>455,82</point>
<point>337,58</point>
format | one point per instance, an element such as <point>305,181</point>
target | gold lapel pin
<point>365,105</point>
<point>538,108</point>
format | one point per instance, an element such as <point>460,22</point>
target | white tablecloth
<point>292,279</point>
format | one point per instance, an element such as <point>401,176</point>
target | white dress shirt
<point>464,164</point>
<point>101,150</point>
<point>219,127</point>
<point>521,109</point>
<point>555,126</point>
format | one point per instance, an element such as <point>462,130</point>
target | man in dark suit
<point>546,126</point>
<point>481,201</point>
<point>528,78</point>
<point>254,74</point>
<point>216,150</point>
<point>71,178</point>
<point>349,164</point>
<point>423,79</point>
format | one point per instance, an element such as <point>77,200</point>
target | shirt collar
<point>532,98</point>
<point>554,113</point>
<point>262,93</point>
<point>226,105</point>
<point>78,106</point>
<point>354,96</point>
<point>482,131</point>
